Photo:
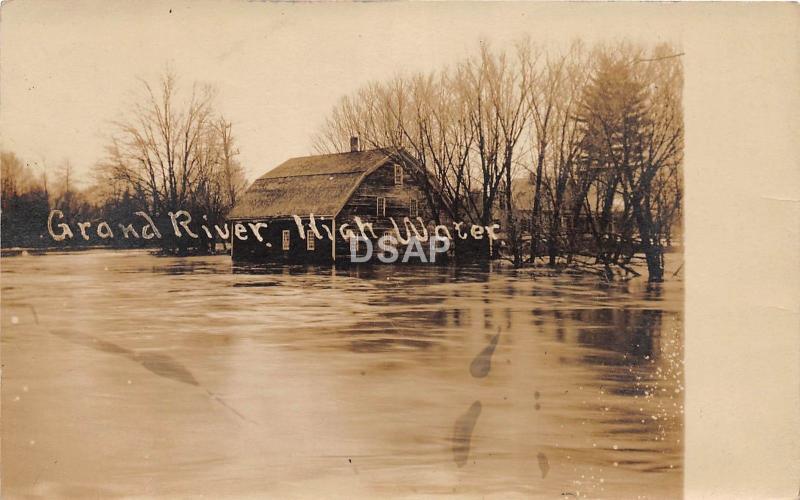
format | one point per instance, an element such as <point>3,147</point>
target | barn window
<point>398,175</point>
<point>389,242</point>
<point>310,241</point>
<point>381,207</point>
<point>285,239</point>
<point>414,208</point>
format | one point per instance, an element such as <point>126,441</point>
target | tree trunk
<point>651,246</point>
<point>654,255</point>
<point>537,205</point>
<point>552,242</point>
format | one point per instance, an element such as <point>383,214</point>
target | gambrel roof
<point>319,184</point>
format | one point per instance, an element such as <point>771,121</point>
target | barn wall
<point>270,250</point>
<point>363,204</point>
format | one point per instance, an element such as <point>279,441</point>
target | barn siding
<point>363,204</point>
<point>271,249</point>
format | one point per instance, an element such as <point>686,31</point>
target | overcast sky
<point>68,68</point>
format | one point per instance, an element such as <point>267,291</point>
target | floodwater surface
<point>129,375</point>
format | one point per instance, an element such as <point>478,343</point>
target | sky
<point>67,69</point>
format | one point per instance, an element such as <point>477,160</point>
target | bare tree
<point>599,135</point>
<point>500,90</point>
<point>16,177</point>
<point>158,150</point>
<point>463,126</point>
<point>172,152</point>
<point>555,140</point>
<point>420,117</point>
<point>23,203</point>
<point>635,136</point>
<point>231,175</point>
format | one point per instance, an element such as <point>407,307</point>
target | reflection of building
<point>374,186</point>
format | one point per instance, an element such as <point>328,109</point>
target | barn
<point>300,211</point>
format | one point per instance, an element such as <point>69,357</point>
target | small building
<point>300,211</point>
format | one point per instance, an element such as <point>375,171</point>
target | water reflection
<point>188,376</point>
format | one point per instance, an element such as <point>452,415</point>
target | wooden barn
<point>374,186</point>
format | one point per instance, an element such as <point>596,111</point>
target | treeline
<point>29,194</point>
<point>576,154</point>
<point>170,151</point>
<point>24,203</point>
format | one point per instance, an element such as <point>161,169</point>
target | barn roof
<point>318,184</point>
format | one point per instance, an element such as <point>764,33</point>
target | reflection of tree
<point>422,330</point>
<point>629,336</point>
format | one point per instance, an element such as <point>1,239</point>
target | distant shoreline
<point>17,251</point>
<point>22,251</point>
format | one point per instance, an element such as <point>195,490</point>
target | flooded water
<point>131,375</point>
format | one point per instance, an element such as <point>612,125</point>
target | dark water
<point>131,375</point>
